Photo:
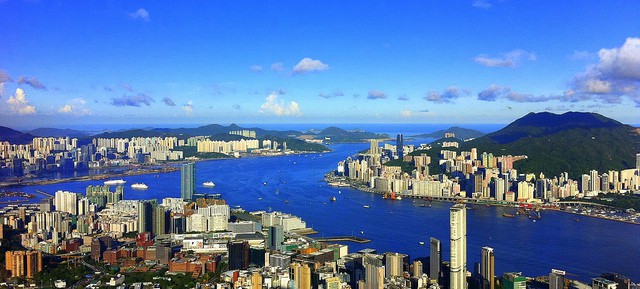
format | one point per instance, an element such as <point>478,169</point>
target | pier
<point>354,239</point>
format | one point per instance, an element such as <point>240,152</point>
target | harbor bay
<point>295,184</point>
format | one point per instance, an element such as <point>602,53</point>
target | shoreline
<point>544,206</point>
<point>131,170</point>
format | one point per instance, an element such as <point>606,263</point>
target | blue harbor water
<point>294,184</point>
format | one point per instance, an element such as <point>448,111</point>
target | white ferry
<point>119,182</point>
<point>139,186</point>
<point>209,184</point>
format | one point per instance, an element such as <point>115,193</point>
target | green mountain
<point>338,135</point>
<point>573,142</point>
<point>461,133</point>
<point>13,136</point>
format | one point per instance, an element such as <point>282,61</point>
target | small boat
<point>286,201</point>
<point>333,199</point>
<point>208,184</point>
<point>577,220</point>
<point>139,186</point>
<point>115,182</point>
<point>421,243</point>
<point>260,199</point>
<point>366,206</point>
<point>265,183</point>
<point>508,215</point>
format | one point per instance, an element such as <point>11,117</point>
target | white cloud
<point>494,92</point>
<point>508,59</point>
<point>75,106</point>
<point>278,107</point>
<point>406,113</point>
<point>188,108</point>
<point>616,74</point>
<point>67,108</point>
<point>308,65</point>
<point>140,14</point>
<point>19,103</point>
<point>2,90</point>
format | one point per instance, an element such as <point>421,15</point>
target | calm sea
<point>294,184</point>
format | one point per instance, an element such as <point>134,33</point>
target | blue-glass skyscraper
<point>400,146</point>
<point>187,181</point>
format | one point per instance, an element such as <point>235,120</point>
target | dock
<point>354,239</point>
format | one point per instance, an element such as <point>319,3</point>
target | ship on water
<point>139,186</point>
<point>208,184</point>
<point>115,182</point>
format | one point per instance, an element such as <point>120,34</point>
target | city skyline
<point>474,61</point>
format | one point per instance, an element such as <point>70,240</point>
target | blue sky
<point>65,63</point>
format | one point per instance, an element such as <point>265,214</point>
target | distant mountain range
<point>461,133</point>
<point>56,132</point>
<point>217,132</point>
<point>13,136</point>
<point>573,142</point>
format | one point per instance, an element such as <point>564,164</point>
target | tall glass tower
<point>187,181</point>
<point>458,225</point>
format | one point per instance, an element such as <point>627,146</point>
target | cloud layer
<point>133,100</point>
<point>19,103</point>
<point>509,59</point>
<point>376,94</point>
<point>446,96</point>
<point>275,106</point>
<point>33,82</point>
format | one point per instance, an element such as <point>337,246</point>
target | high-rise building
<point>160,217</point>
<point>458,225</point>
<point>301,275</point>
<point>23,263</point>
<point>514,280</point>
<point>275,238</point>
<point>601,283</point>
<point>435,259</point>
<point>417,268</point>
<point>239,255</point>
<point>66,202</point>
<point>145,215</point>
<point>487,268</point>
<point>393,264</point>
<point>187,181</point>
<point>374,147</point>
<point>638,162</point>
<point>400,146</point>
<point>556,279</point>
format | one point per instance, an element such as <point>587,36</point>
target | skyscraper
<point>435,259</point>
<point>556,279</point>
<point>400,146</point>
<point>487,268</point>
<point>187,181</point>
<point>393,264</point>
<point>514,280</point>
<point>145,215</point>
<point>373,147</point>
<point>458,225</point>
<point>638,162</point>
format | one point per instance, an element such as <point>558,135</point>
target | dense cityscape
<point>473,144</point>
<point>198,236</point>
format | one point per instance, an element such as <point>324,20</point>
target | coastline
<point>132,170</point>
<point>330,178</point>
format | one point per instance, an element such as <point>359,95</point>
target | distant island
<point>460,132</point>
